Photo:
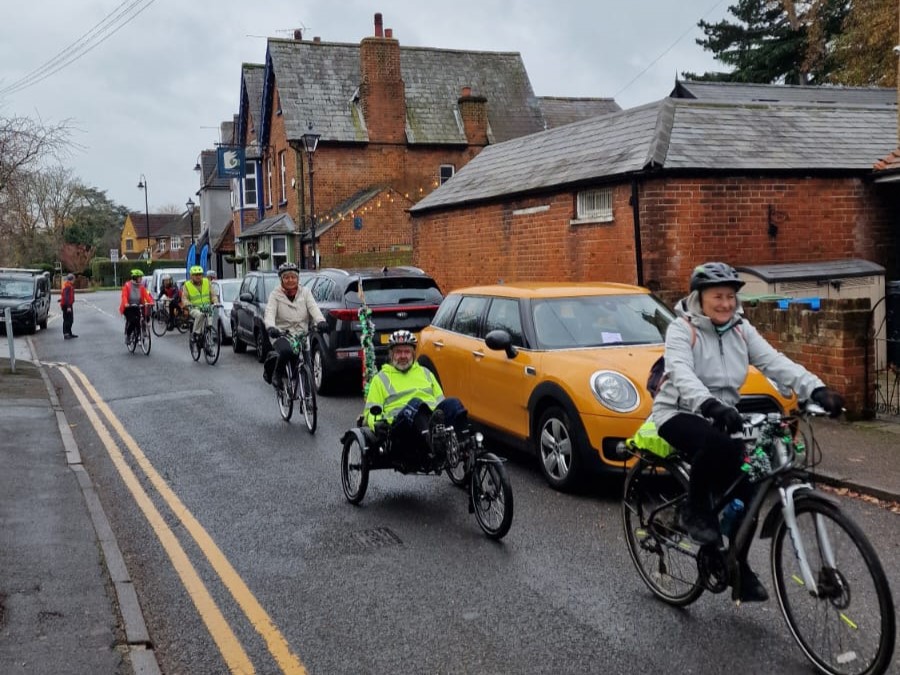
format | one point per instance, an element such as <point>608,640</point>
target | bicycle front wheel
<point>307,393</point>
<point>492,497</point>
<point>665,557</point>
<point>146,338</point>
<point>211,346</point>
<point>284,395</point>
<point>131,338</point>
<point>160,322</point>
<point>846,626</point>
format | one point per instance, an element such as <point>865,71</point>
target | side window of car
<point>504,315</point>
<point>468,314</point>
<point>444,315</point>
<point>322,290</point>
<point>251,285</point>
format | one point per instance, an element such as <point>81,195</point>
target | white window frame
<point>269,191</point>
<point>250,178</point>
<point>161,245</point>
<point>595,205</point>
<point>283,170</point>
<point>441,178</point>
<point>278,257</point>
<point>176,243</point>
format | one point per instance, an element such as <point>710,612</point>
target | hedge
<point>103,271</point>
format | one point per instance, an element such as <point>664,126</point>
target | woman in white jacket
<point>709,349</point>
<point>290,307</point>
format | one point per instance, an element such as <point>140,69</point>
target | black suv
<point>25,294</point>
<point>399,297</point>
<point>248,311</point>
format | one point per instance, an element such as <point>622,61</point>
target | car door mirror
<point>501,341</point>
<point>246,297</point>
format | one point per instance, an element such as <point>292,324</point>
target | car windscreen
<point>600,320</point>
<point>395,291</point>
<point>228,291</point>
<point>16,288</point>
<point>270,284</point>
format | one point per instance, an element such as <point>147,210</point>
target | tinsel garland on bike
<point>367,339</point>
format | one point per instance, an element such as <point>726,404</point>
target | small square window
<point>595,204</point>
<point>447,171</point>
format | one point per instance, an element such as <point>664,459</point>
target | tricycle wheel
<point>492,496</point>
<point>354,470</point>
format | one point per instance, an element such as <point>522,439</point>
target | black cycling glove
<point>724,417</point>
<point>322,326</point>
<point>829,399</point>
<point>273,332</point>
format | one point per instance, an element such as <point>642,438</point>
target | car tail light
<point>344,314</point>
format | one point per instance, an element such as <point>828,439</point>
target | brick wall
<point>830,342</point>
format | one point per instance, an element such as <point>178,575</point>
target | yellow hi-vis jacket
<point>392,389</point>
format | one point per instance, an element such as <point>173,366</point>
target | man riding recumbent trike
<point>409,426</point>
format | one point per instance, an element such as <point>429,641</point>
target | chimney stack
<point>388,32</point>
<point>298,34</point>
<point>382,92</point>
<point>473,111</point>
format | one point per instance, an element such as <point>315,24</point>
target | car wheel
<point>223,336</point>
<point>43,324</point>
<point>262,346</point>
<point>237,345</point>
<point>321,376</point>
<point>559,449</point>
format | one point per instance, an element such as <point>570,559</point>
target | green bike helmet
<point>196,269</point>
<point>137,274</point>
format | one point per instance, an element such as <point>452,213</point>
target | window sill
<point>591,221</point>
<point>283,202</point>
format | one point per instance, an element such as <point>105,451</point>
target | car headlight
<point>24,307</point>
<point>614,391</point>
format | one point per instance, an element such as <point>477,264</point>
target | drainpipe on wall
<point>636,218</point>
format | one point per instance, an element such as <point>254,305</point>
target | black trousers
<point>68,312</point>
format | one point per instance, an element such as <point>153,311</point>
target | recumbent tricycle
<point>460,454</point>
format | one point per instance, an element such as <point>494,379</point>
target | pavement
<point>67,604</point>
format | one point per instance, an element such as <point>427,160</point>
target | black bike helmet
<point>715,274</point>
<point>285,267</point>
<point>402,337</point>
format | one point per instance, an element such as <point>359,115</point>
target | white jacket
<point>298,315</point>
<point>702,363</point>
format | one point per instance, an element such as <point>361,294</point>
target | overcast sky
<point>149,97</point>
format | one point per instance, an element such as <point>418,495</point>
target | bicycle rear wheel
<point>284,395</point>
<point>182,323</point>
<point>848,625</point>
<point>492,496</point>
<point>195,345</point>
<point>211,346</point>
<point>307,393</point>
<point>146,338</point>
<point>160,322</point>
<point>665,557</point>
<point>131,339</point>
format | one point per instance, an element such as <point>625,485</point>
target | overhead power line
<point>111,24</point>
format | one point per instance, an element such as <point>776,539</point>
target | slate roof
<point>158,223</point>
<point>559,111</point>
<point>676,134</point>
<point>318,82</point>
<point>252,81</point>
<point>782,93</point>
<point>209,173</point>
<point>280,224</point>
<point>180,226</point>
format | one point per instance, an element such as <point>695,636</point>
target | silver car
<point>227,290</point>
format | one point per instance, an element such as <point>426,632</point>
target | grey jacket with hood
<point>715,366</point>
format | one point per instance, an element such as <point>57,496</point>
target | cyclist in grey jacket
<point>709,349</point>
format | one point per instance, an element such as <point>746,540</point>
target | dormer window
<point>446,172</point>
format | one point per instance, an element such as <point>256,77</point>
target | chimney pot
<point>298,34</point>
<point>379,32</point>
<point>466,92</point>
<point>317,39</point>
<point>388,32</point>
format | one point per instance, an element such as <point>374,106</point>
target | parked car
<point>25,293</point>
<point>248,311</point>
<point>399,297</point>
<point>155,279</point>
<point>227,290</point>
<point>566,377</point>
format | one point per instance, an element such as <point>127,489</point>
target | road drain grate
<point>378,537</point>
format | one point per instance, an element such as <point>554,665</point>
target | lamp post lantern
<point>310,143</point>
<point>190,209</point>
<point>142,185</point>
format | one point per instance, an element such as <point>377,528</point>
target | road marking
<point>275,641</point>
<point>229,646</point>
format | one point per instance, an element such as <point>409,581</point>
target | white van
<point>177,274</point>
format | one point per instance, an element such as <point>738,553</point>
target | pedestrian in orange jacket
<point>67,305</point>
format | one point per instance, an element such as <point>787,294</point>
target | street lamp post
<point>310,143</point>
<point>142,185</point>
<point>190,209</point>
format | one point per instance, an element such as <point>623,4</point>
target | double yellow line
<point>235,657</point>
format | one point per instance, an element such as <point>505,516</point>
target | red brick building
<point>392,122</point>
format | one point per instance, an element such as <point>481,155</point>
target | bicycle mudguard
<point>490,458</point>
<point>364,435</point>
<point>774,517</point>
